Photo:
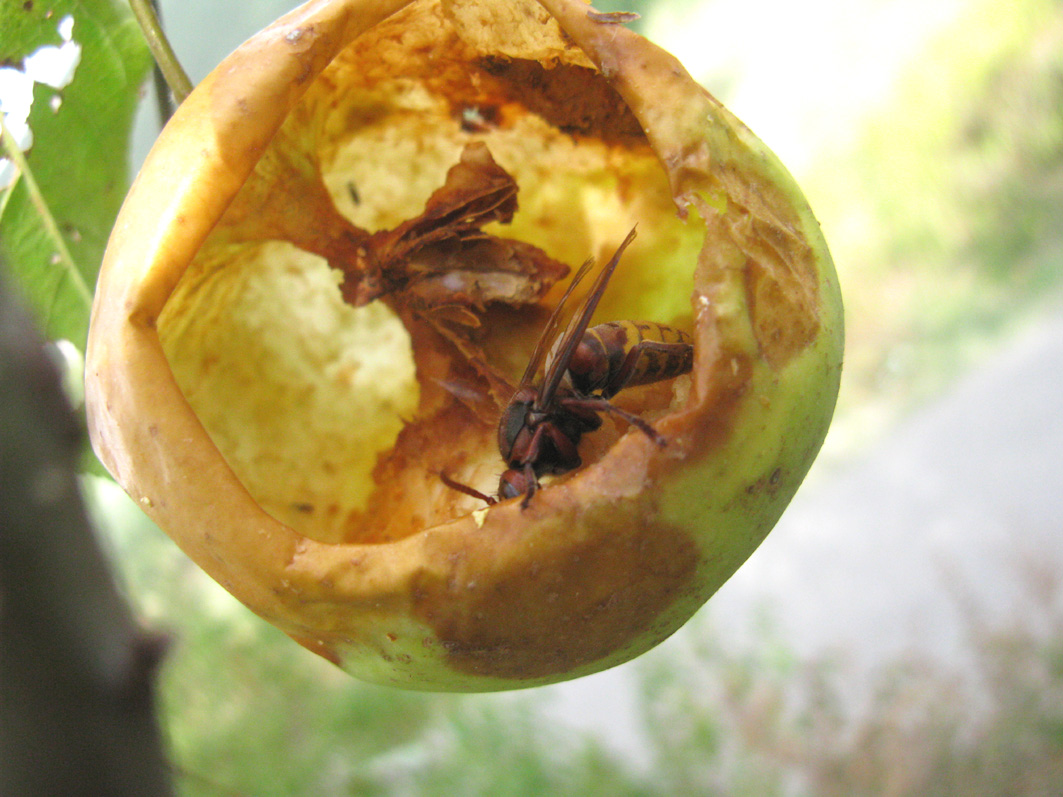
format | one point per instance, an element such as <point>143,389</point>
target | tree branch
<point>76,674</point>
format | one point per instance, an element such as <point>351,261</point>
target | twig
<point>176,78</point>
<point>164,101</point>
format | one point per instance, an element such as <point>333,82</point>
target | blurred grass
<point>755,723</point>
<point>945,216</point>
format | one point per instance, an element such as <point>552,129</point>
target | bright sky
<point>798,73</point>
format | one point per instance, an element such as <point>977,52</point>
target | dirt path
<point>960,504</point>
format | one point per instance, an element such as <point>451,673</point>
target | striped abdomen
<point>622,354</point>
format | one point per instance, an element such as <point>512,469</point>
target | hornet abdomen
<point>620,354</point>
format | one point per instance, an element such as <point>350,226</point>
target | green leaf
<point>24,27</point>
<point>79,156</point>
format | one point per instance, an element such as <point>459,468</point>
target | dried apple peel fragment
<point>291,443</point>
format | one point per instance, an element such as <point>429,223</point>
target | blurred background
<point>901,631</point>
